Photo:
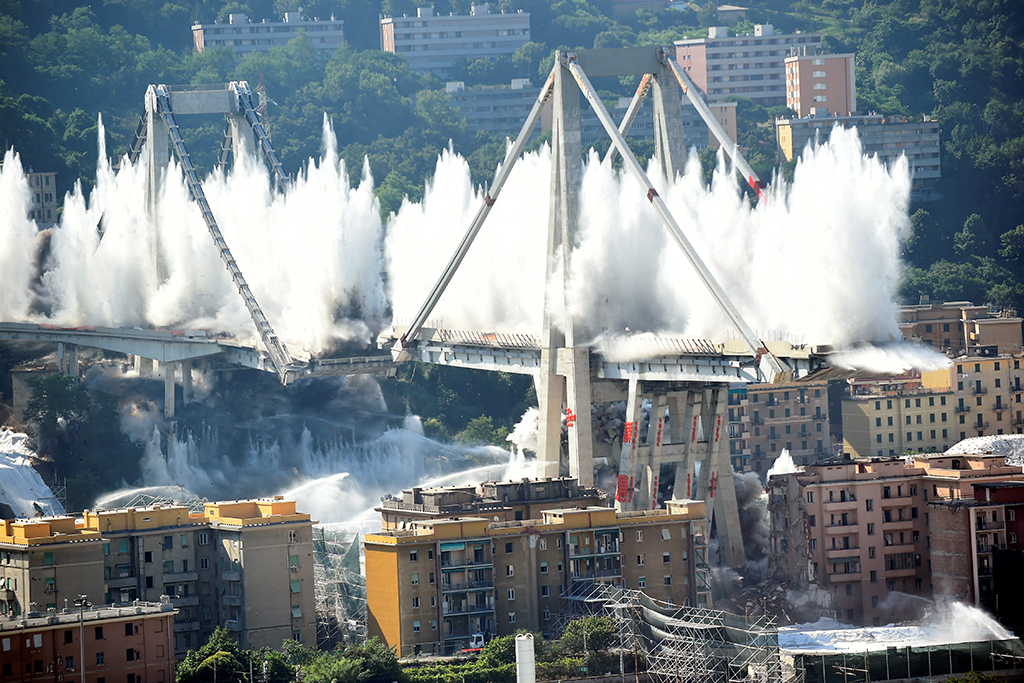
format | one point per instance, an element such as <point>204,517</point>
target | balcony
<point>464,562</point>
<point>610,549</point>
<point>961,409</point>
<point>819,418</point>
<point>979,391</point>
<point>840,505</point>
<point>121,582</point>
<point>231,600</point>
<point>833,529</point>
<point>231,576</point>
<point>837,553</point>
<point>987,525</point>
<point>907,572</point>
<point>980,425</point>
<point>180,626</point>
<point>185,600</point>
<point>181,577</point>
<point>898,524</point>
<point>989,548</point>
<point>612,573</point>
<point>844,578</point>
<point>233,625</point>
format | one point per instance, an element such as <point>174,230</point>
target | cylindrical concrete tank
<point>526,665</point>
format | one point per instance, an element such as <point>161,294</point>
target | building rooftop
<point>72,615</point>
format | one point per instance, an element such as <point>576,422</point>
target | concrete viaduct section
<point>685,383</point>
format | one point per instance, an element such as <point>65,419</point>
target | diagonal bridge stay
<point>243,131</point>
<point>685,382</point>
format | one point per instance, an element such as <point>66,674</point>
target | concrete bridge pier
<point>169,390</point>
<point>67,359</point>
<point>143,366</point>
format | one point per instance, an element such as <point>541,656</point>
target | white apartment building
<point>747,65</point>
<point>432,43</point>
<point>244,36</point>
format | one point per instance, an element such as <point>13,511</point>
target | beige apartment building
<point>747,65</point>
<point>90,644</point>
<point>244,36</point>
<point>824,83</point>
<point>960,328</point>
<point>861,528</point>
<point>244,565</point>
<point>45,562</point>
<point>980,396</point>
<point>434,43</point>
<point>430,587</point>
<point>764,419</point>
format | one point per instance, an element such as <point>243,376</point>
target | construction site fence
<point>910,662</point>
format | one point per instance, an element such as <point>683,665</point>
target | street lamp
<point>81,602</point>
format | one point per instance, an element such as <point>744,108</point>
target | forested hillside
<point>62,64</point>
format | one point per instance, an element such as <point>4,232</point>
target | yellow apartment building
<point>959,328</point>
<point>430,587</point>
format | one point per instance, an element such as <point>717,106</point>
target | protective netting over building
<point>339,587</point>
<point>905,662</point>
<point>690,644</point>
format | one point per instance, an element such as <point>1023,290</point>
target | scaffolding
<point>683,644</point>
<point>339,588</point>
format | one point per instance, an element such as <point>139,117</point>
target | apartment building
<point>498,501</point>
<point>45,562</point>
<point>960,328</point>
<point>245,36</point>
<point>978,549</point>
<point>887,137</point>
<point>746,65</point>
<point>265,559</point>
<point>987,394</point>
<point>766,418</point>
<point>433,43</point>
<point>431,586</point>
<point>43,191</point>
<point>206,563</point>
<point>90,644</point>
<point>861,528</point>
<point>822,83</point>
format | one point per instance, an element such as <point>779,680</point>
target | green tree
<point>219,659</point>
<point>378,661</point>
<point>601,634</point>
<point>58,406</point>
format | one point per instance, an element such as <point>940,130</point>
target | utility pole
<point>81,602</point>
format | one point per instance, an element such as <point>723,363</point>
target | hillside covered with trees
<point>63,64</point>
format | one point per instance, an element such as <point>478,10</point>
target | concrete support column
<point>143,366</point>
<point>669,138</point>
<point>630,436</point>
<point>169,389</point>
<point>656,432</point>
<point>726,510</point>
<point>186,382</point>
<point>550,392</point>
<point>575,364</point>
<point>67,359</point>
<point>684,426</point>
<point>242,139</point>
<point>158,154</point>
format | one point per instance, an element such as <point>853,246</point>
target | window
<point>48,559</point>
<point>510,570</point>
<point>69,636</point>
<point>129,630</point>
<point>296,611</point>
<point>640,559</point>
<point>666,558</point>
<point>99,633</point>
<point>129,655</point>
<point>871,552</point>
<point>99,658</point>
<point>543,544</point>
<point>431,578</point>
<point>293,560</point>
<point>813,544</point>
<point>668,579</point>
<point>508,549</point>
<point>641,582</point>
<point>204,538</point>
<point>545,591</point>
<point>869,504</point>
<point>871,528</point>
<point>416,602</point>
<point>810,496</point>
<point>415,579</point>
<point>416,626</point>
<point>204,563</point>
<point>511,617</point>
<point>874,576</point>
<point>640,536</point>
<point>295,586</point>
<point>511,593</point>
<point>169,567</point>
<point>1011,515</point>
<point>413,555</point>
<point>543,567</point>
